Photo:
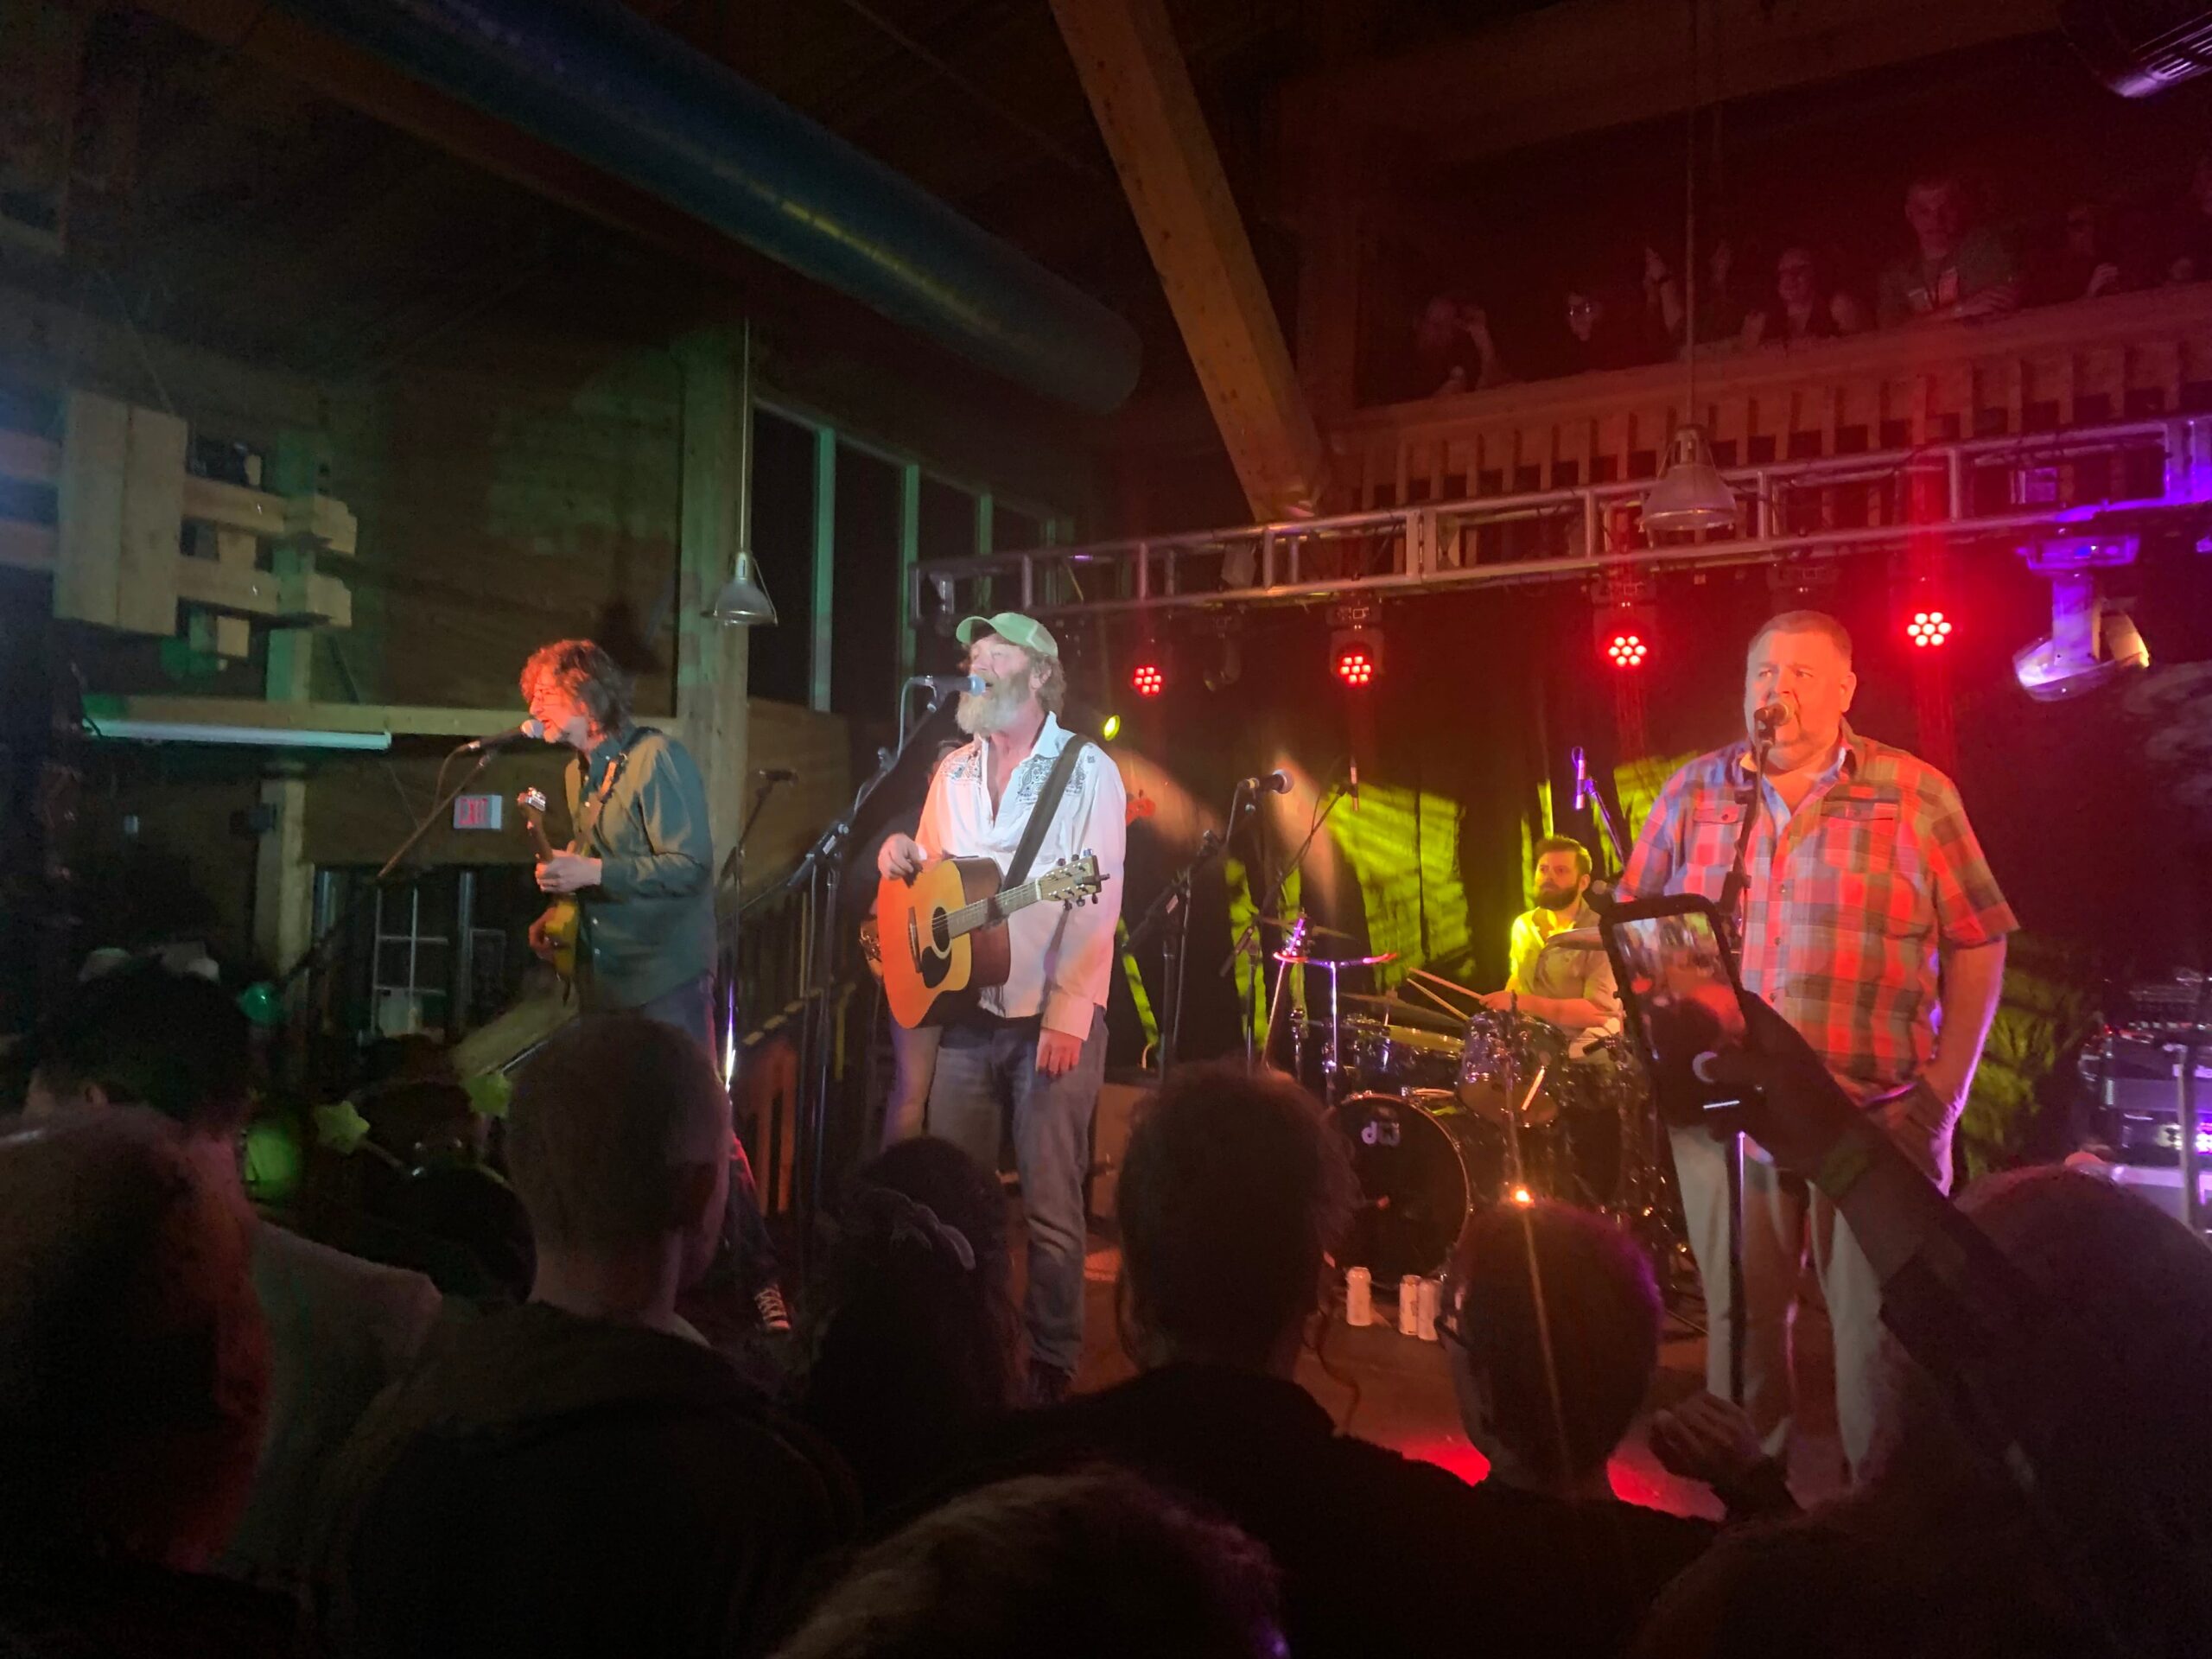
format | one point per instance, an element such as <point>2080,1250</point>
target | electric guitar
<point>939,938</point>
<point>563,921</point>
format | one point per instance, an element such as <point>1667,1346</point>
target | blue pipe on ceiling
<point>604,83</point>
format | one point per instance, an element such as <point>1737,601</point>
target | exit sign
<point>477,812</point>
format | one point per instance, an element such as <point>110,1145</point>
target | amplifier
<point>2134,1077</point>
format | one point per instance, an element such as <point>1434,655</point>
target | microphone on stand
<point>1352,785</point>
<point>1583,787</point>
<point>529,732</point>
<point>1275,782</point>
<point>971,684</point>
<point>775,774</point>
<point>1770,719</point>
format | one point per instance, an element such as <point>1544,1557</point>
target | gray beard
<point>979,714</point>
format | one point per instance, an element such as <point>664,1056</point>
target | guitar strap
<point>1042,814</point>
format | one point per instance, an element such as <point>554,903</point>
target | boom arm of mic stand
<point>1275,898</point>
<point>314,951</point>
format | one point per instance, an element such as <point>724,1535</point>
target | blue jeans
<point>689,1008</point>
<point>986,1069</point>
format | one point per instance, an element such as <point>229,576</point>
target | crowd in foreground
<point>217,1436</point>
<point>1957,269</point>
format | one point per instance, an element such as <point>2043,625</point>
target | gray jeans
<point>987,1069</point>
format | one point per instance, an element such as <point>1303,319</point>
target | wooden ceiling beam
<point>1140,92</point>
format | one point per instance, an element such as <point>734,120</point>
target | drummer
<point>1570,986</point>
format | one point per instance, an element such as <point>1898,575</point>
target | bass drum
<point>1415,1188</point>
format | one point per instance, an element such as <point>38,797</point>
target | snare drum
<point>1410,1057</point>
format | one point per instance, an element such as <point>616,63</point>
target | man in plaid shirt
<point>1871,923</point>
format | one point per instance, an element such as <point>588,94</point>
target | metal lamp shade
<point>743,600</point>
<point>1690,494</point>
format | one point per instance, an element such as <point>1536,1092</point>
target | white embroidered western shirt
<point>1063,956</point>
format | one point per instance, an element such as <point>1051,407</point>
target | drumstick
<point>1473,996</point>
<point>1432,995</point>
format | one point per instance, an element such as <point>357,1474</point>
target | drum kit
<point>1449,1106</point>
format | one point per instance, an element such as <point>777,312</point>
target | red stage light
<point>1356,656</point>
<point>1929,628</point>
<point>1627,650</point>
<point>1148,678</point>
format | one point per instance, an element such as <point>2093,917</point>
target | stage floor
<point>1404,1394</point>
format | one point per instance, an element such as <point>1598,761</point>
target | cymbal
<point>1314,929</point>
<point>1399,1011</point>
<point>1293,959</point>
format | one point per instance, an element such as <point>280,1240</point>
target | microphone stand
<point>820,870</point>
<point>1729,1129</point>
<point>729,936</point>
<point>1249,940</point>
<point>310,959</point>
<point>1173,907</point>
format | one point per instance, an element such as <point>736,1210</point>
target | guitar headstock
<point>1071,880</point>
<point>532,803</point>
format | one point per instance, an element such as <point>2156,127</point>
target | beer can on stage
<point>1409,1305</point>
<point>1431,1290</point>
<point>1359,1298</point>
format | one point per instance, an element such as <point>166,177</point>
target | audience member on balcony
<point>1551,1323</point>
<point>1719,314</point>
<point>1233,1189</point>
<point>134,1378</point>
<point>2189,238</point>
<point>1453,347</point>
<point>1806,306</point>
<point>1097,1564</point>
<point>583,1475</point>
<point>1604,332</point>
<point>1954,271</point>
<point>919,1334</point>
<point>339,1327</point>
<point>2080,262</point>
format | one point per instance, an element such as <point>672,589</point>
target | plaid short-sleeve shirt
<point>1850,896</point>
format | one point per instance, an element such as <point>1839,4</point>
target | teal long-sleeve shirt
<point>639,807</point>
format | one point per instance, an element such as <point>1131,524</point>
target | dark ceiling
<point>263,220</point>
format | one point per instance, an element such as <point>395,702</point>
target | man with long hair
<point>641,867</point>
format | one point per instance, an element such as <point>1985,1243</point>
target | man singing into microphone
<point>641,865</point>
<point>1036,1047</point>
<point>1873,925</point>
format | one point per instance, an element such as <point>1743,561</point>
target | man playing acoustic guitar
<point>641,867</point>
<point>1036,1045</point>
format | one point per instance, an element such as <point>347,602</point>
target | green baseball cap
<point>1026,631</point>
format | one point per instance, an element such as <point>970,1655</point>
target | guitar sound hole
<point>940,934</point>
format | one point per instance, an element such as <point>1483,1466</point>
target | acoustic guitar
<point>939,938</point>
<point>563,922</point>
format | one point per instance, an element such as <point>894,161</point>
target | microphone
<point>1275,782</point>
<point>1582,786</point>
<point>775,774</point>
<point>528,732</point>
<point>971,684</point>
<point>1352,785</point>
<point>1770,718</point>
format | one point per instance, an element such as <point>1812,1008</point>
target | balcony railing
<point>2073,420</point>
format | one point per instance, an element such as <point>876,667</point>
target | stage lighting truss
<point>1355,647</point>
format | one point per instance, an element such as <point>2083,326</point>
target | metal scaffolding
<point>2082,482</point>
